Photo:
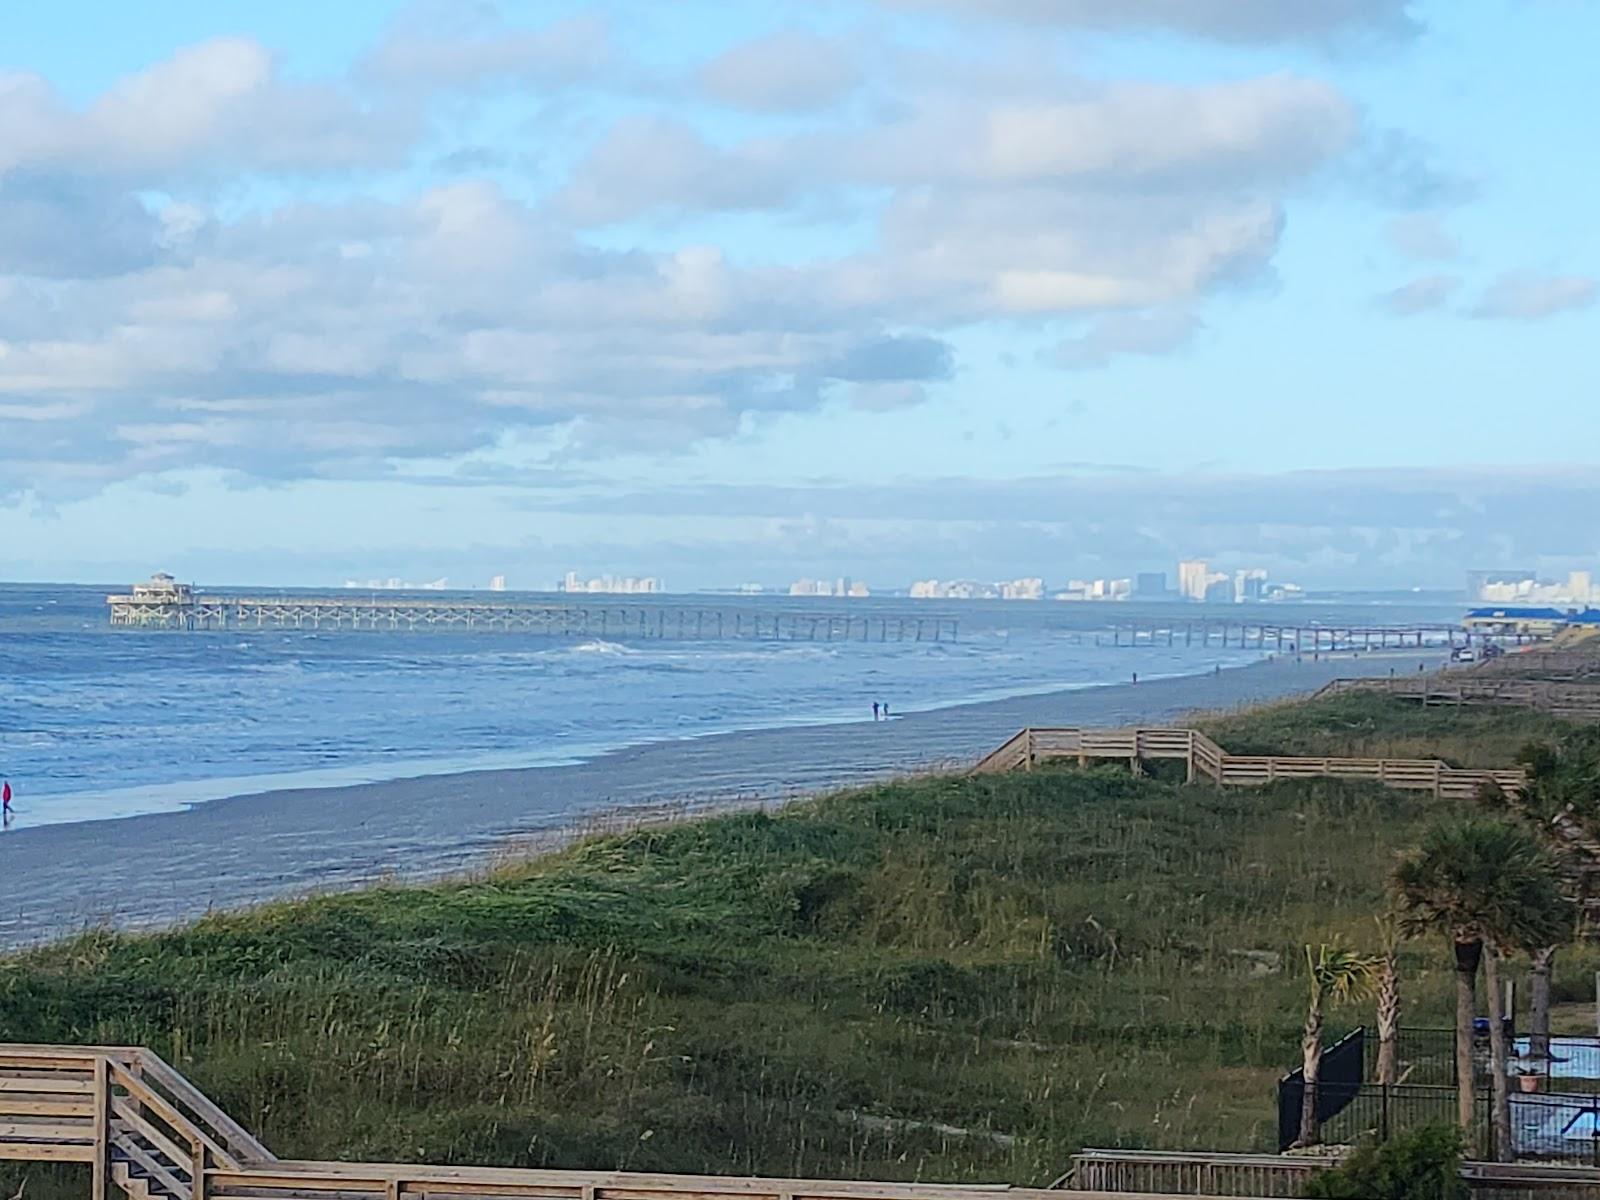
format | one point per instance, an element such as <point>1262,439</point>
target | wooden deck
<point>146,1131</point>
<point>1205,760</point>
<point>1185,1173</point>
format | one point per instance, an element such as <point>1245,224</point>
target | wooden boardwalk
<point>1572,701</point>
<point>1205,760</point>
<point>1189,1173</point>
<point>147,1132</point>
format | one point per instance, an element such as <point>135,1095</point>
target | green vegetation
<point>944,978</point>
<point>1372,725</point>
<point>1421,1164</point>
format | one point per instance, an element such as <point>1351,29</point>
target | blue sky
<point>887,288</point>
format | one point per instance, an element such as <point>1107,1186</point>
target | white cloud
<point>646,164</point>
<point>472,52</point>
<point>1422,236</point>
<point>796,71</point>
<point>1226,20</point>
<point>213,107</point>
<point>144,326</point>
<point>1108,337</point>
<point>1524,296</point>
<point>1425,294</point>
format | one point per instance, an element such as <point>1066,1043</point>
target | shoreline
<point>160,869</point>
<point>156,799</point>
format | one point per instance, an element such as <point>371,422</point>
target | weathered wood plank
<point>38,1084</point>
<point>43,1152</point>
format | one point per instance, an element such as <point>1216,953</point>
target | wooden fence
<point>1205,760</point>
<point>1573,701</point>
<point>1556,665</point>
<point>142,1128</point>
<point>1152,1172</point>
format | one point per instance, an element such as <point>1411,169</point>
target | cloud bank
<point>213,264</point>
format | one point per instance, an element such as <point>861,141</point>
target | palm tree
<point>1333,974</point>
<point>1491,887</point>
<point>1388,988</point>
<point>1562,801</point>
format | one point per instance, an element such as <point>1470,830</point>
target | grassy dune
<point>944,978</point>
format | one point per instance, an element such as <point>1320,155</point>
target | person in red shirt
<point>5,797</point>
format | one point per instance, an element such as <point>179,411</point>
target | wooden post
<point>197,1176</point>
<point>102,1127</point>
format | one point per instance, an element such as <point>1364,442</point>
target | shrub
<point>1420,1164</point>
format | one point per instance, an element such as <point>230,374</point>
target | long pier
<point>677,622</point>
<point>1296,639</point>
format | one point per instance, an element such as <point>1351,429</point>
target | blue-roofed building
<point>1537,622</point>
<point>1588,619</point>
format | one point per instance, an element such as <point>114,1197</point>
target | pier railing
<point>147,1132</point>
<point>1205,760</point>
<point>554,618</point>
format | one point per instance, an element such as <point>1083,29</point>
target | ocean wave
<point>601,646</point>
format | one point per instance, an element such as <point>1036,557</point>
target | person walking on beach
<point>885,707</point>
<point>5,800</point>
<point>874,710</point>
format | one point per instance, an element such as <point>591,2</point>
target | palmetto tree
<point>1387,987</point>
<point>1562,801</point>
<point>1491,888</point>
<point>1334,974</point>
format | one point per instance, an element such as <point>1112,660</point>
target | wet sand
<point>158,869</point>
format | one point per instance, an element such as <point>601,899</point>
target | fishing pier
<point>165,604</point>
<point>1296,639</point>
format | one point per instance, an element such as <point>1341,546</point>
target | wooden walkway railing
<point>1206,760</point>
<point>146,1131</point>
<point>1147,1172</point>
<point>1574,701</point>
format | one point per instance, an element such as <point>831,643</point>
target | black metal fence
<point>1555,1098</point>
<point>1427,1056</point>
<point>1376,1112</point>
<point>1338,1083</point>
<point>1557,1127</point>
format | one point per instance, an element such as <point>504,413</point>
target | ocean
<point>100,723</point>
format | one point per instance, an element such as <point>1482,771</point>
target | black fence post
<point>1383,1112</point>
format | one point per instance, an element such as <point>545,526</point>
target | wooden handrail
<point>141,1140</point>
<point>220,1126</point>
<point>1206,759</point>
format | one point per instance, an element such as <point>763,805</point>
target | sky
<point>722,293</point>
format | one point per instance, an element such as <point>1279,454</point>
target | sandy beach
<point>158,869</point>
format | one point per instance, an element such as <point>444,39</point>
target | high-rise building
<point>1249,586</point>
<point>1150,585</point>
<point>1581,585</point>
<point>1193,576</point>
<point>497,584</point>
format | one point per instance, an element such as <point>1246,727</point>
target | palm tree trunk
<point>1539,1003</point>
<point>1504,1151</point>
<point>1311,1068</point>
<point>1388,1019</point>
<point>1467,956</point>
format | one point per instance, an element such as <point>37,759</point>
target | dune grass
<point>1373,725</point>
<point>946,978</point>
